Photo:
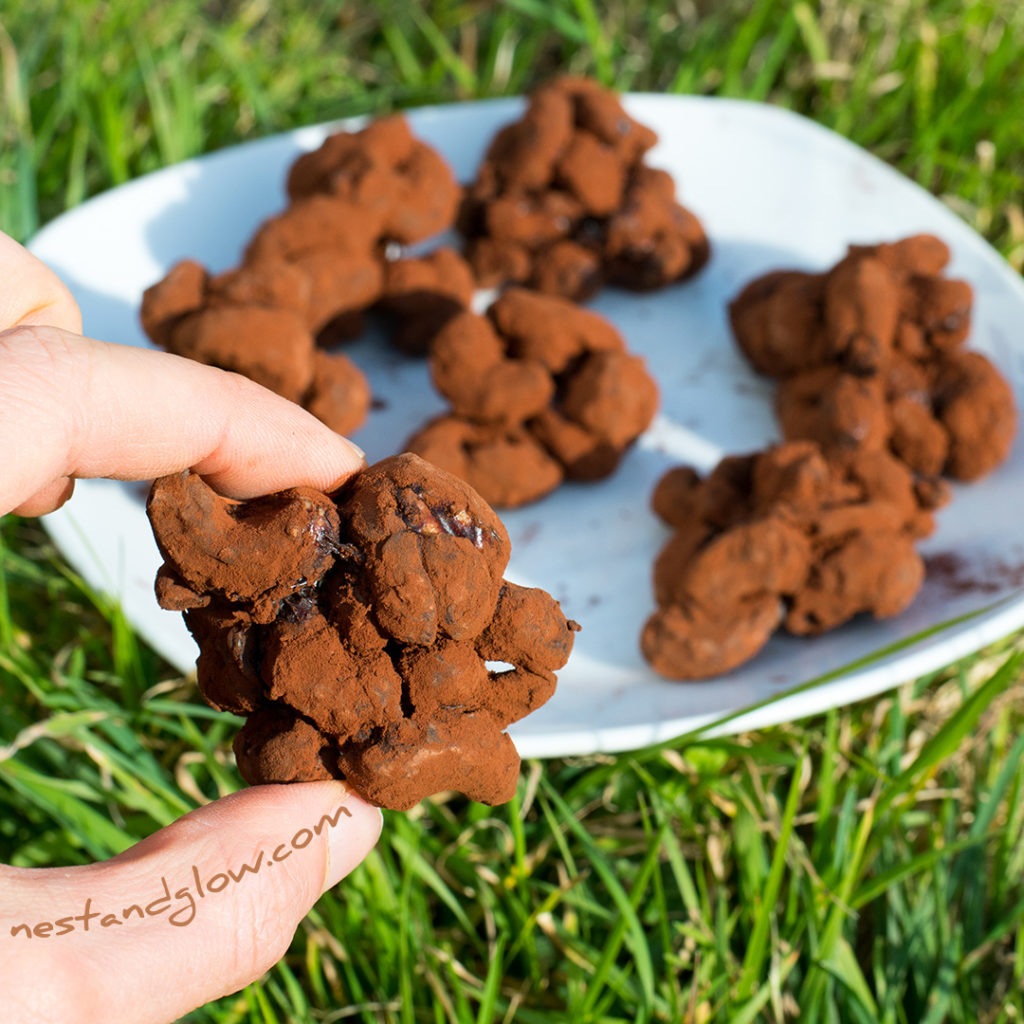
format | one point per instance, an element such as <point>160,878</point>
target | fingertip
<point>347,850</point>
<point>232,849</point>
<point>33,294</point>
<point>243,439</point>
<point>47,499</point>
<point>270,444</point>
<point>351,458</point>
<point>350,824</point>
<point>60,310</point>
<point>354,451</point>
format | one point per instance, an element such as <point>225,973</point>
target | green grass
<point>866,865</point>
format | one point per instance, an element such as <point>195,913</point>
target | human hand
<point>194,911</point>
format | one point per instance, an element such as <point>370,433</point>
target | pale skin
<point>70,408</point>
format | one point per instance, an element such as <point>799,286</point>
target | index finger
<point>73,407</point>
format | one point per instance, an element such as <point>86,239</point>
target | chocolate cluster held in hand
<point>355,631</point>
<point>311,272</point>
<point>784,538</point>
<point>540,391</point>
<point>564,202</point>
<point>871,358</point>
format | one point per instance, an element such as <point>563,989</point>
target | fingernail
<point>349,841</point>
<point>359,451</point>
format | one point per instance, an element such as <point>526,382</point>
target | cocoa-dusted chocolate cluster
<point>871,358</point>
<point>311,272</point>
<point>385,172</point>
<point>540,391</point>
<point>564,202</point>
<point>878,400</point>
<point>783,538</point>
<point>422,293</point>
<point>354,631</point>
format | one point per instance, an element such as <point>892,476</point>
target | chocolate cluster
<point>783,538</point>
<point>563,201</point>
<point>870,356</point>
<point>540,391</point>
<point>878,400</point>
<point>385,172</point>
<point>357,632</point>
<point>311,272</point>
<point>421,294</point>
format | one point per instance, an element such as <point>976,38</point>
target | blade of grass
<point>636,939</point>
<point>757,950</point>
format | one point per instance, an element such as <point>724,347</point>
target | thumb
<point>196,911</point>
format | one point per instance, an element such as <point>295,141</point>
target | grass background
<point>863,865</point>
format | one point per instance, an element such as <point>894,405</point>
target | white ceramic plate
<point>773,190</point>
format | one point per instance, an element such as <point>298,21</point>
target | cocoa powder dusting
<point>564,203</point>
<point>540,391</point>
<point>311,272</point>
<point>870,356</point>
<point>354,631</point>
<point>784,538</point>
<point>955,574</point>
<point>877,400</point>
